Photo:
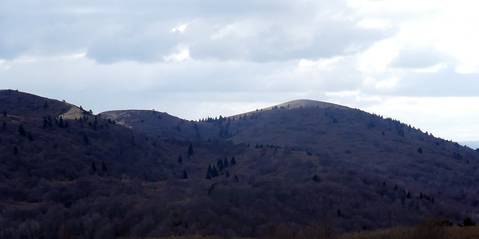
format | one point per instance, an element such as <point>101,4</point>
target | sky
<point>410,60</point>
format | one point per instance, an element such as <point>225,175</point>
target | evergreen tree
<point>21,130</point>
<point>233,161</point>
<point>468,222</point>
<point>225,162</point>
<point>60,122</point>
<point>30,136</point>
<point>208,172</point>
<point>419,150</point>
<point>220,165</point>
<point>214,172</point>
<point>339,213</point>
<point>190,150</point>
<point>103,167</point>
<point>185,174</point>
<point>45,123</point>
<point>4,125</point>
<point>86,140</point>
<point>180,159</point>
<point>93,167</point>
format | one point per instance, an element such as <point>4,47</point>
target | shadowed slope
<point>135,174</point>
<point>161,125</point>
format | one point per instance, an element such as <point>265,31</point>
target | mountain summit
<point>305,103</point>
<point>142,173</point>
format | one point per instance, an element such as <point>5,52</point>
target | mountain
<point>50,139</point>
<point>161,125</point>
<point>133,173</point>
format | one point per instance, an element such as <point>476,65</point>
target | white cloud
<point>182,55</point>
<point>180,28</point>
<point>143,31</point>
<point>445,117</point>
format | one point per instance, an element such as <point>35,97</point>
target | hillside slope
<point>66,173</point>
<point>161,125</point>
<point>360,143</point>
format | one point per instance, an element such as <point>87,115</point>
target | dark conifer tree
<point>185,174</point>
<point>233,161</point>
<point>208,172</point>
<point>30,136</point>
<point>93,167</point>
<point>21,130</point>
<point>214,172</point>
<point>339,213</point>
<point>468,222</point>
<point>103,167</point>
<point>190,150</point>
<point>86,140</point>
<point>45,123</point>
<point>220,165</point>
<point>60,122</point>
<point>180,159</point>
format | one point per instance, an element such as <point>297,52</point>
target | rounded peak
<point>131,112</point>
<point>22,103</point>
<point>306,103</point>
<point>136,114</point>
<point>296,104</point>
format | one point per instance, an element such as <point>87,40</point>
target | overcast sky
<point>407,59</point>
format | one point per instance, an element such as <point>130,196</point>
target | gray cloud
<point>111,31</point>
<point>445,82</point>
<point>272,41</point>
<point>418,58</point>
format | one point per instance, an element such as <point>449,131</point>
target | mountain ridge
<point>141,173</point>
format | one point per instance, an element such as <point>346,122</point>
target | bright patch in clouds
<point>412,60</point>
<point>181,55</point>
<point>181,28</point>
